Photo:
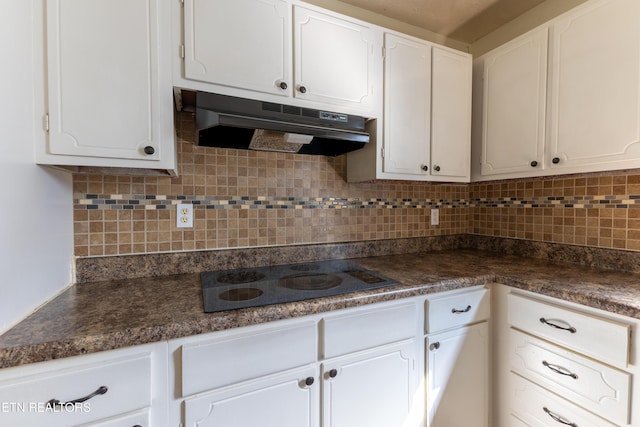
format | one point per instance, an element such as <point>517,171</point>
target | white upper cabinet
<point>450,115</point>
<point>565,97</point>
<point>595,87</point>
<point>407,107</point>
<point>333,59</point>
<point>243,43</point>
<point>426,126</point>
<point>107,85</point>
<point>278,51</point>
<point>515,87</point>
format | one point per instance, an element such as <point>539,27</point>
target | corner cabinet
<point>277,49</point>
<point>426,126</point>
<point>457,359</point>
<point>565,97</point>
<point>108,85</point>
<point>514,106</point>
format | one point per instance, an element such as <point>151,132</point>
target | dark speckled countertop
<point>98,316</point>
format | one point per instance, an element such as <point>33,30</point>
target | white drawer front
<point>536,407</point>
<point>600,388</point>
<point>128,382</point>
<point>243,356</point>
<point>140,418</point>
<point>344,334</point>
<point>601,339</point>
<point>457,310</point>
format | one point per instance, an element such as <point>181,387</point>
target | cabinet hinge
<point>181,53</point>
<point>182,3</point>
<point>46,122</point>
<point>384,52</point>
<point>382,151</point>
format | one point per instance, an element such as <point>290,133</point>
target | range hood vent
<point>231,122</point>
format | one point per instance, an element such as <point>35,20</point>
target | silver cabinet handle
<point>558,418</point>
<point>55,402</point>
<point>568,328</point>
<point>434,346</point>
<point>464,310</point>
<point>560,370</point>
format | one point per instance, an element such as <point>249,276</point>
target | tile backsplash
<point>248,198</point>
<point>596,210</point>
<point>254,199</point>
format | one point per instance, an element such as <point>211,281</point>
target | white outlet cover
<point>184,216</point>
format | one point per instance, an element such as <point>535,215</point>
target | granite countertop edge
<point>11,356</point>
<point>421,274</point>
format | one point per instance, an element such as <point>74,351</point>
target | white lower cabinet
<point>458,375</point>
<point>374,388</point>
<point>457,359</point>
<point>561,363</point>
<point>114,388</point>
<point>348,368</point>
<point>287,399</point>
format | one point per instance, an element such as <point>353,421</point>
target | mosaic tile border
<point>576,202</point>
<point>159,202</point>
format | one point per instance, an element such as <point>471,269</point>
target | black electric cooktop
<point>253,287</point>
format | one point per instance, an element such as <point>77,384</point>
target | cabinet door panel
<point>282,400</point>
<point>450,115</point>
<point>243,43</point>
<point>103,78</point>
<point>373,389</point>
<point>333,59</point>
<point>595,105</point>
<point>515,87</point>
<point>458,371</point>
<point>407,106</point>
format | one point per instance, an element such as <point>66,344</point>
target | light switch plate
<point>435,216</point>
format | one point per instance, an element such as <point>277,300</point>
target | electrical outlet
<point>184,216</point>
<point>435,216</point>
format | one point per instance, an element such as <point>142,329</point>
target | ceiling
<point>462,20</point>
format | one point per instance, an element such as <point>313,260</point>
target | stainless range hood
<point>231,122</point>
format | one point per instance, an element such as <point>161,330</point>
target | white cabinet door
<point>243,43</point>
<point>450,115</point>
<point>514,106</point>
<point>595,87</point>
<point>288,399</point>
<point>407,107</point>
<point>333,59</point>
<point>109,89</point>
<point>373,388</point>
<point>458,377</point>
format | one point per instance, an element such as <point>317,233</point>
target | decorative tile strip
<point>150,202</point>
<point>124,201</point>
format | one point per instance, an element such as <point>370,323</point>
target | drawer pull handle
<point>465,310</point>
<point>558,418</point>
<point>559,370</point>
<point>434,346</point>
<point>55,402</point>
<point>553,325</point>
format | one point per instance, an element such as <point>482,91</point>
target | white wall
<point>36,219</point>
